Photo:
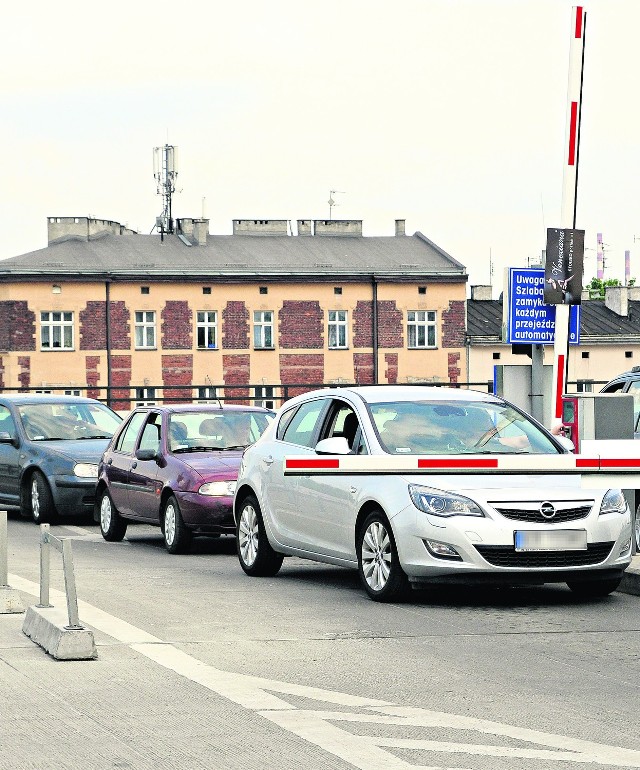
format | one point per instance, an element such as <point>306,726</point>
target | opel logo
<point>547,510</point>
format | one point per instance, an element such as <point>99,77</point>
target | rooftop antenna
<point>165,172</point>
<point>331,202</point>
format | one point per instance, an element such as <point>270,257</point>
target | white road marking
<point>324,728</point>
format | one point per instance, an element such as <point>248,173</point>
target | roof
<point>46,398</point>
<point>598,323</point>
<point>374,394</point>
<point>147,257</point>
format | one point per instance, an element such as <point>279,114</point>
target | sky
<point>449,114</point>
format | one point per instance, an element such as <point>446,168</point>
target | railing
<point>64,546</point>
<point>123,398</point>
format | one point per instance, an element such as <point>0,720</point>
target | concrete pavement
<point>631,580</point>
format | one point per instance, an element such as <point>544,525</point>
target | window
<point>41,390</point>
<point>264,396</point>
<point>127,439</point>
<point>207,394</point>
<point>584,386</point>
<point>421,328</point>
<point>343,421</point>
<point>145,396</point>
<point>144,290</point>
<point>207,328</point>
<point>496,356</point>
<point>301,429</point>
<point>56,330</point>
<point>263,329</point>
<point>337,289</point>
<point>206,289</point>
<point>145,329</point>
<point>422,289</point>
<point>337,329</point>
<point>150,438</point>
<point>7,425</point>
<point>585,354</point>
<point>264,290</point>
<point>72,392</point>
<point>628,354</point>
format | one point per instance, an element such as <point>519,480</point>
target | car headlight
<point>613,502</point>
<point>439,503</point>
<point>218,489</point>
<point>85,470</point>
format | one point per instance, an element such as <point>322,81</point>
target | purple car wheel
<point>177,538</point>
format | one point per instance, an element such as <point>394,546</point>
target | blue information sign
<point>529,320</point>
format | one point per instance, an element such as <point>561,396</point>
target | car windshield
<point>67,421</point>
<point>222,430</point>
<point>454,427</point>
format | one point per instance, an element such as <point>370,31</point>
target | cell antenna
<point>165,172</point>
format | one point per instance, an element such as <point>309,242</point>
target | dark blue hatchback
<point>50,447</point>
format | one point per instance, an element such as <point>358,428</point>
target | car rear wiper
<point>98,435</point>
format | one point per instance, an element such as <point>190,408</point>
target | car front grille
<point>507,556</point>
<point>533,514</point>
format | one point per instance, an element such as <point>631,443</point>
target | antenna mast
<point>165,172</point>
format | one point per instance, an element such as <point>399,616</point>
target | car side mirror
<point>337,445</point>
<point>566,443</point>
<point>147,454</point>
<point>7,438</point>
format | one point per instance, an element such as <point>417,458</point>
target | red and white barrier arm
<point>596,471</point>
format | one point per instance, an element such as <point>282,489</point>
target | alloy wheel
<point>248,535</point>
<point>376,556</point>
<point>170,524</point>
<point>105,513</point>
<point>35,499</point>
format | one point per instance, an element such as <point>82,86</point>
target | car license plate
<point>558,540</point>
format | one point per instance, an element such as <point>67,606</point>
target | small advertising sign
<point>563,267</point>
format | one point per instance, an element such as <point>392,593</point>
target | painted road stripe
<point>327,730</point>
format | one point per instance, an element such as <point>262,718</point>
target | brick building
<point>186,314</point>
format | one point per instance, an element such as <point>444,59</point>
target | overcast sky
<point>447,113</point>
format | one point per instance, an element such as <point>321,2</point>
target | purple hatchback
<point>176,467</point>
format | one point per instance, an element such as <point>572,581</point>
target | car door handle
<point>267,460</point>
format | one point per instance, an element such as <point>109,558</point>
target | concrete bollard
<point>10,601</point>
<point>57,632</point>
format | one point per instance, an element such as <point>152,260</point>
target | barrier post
<point>10,601</point>
<point>44,623</point>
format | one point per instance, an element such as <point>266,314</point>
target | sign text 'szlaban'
<point>529,320</point>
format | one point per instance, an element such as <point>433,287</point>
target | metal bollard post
<point>4,565</point>
<point>70,586</point>
<point>45,561</point>
<point>10,601</point>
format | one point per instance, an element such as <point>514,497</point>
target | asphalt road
<point>200,666</point>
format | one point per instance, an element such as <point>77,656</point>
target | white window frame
<point>49,324</point>
<point>145,323</point>
<point>207,394</point>
<point>264,396</point>
<point>207,321</point>
<point>420,323</point>
<point>262,329</point>
<point>338,322</point>
<point>146,396</point>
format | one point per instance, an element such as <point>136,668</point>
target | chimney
<point>400,226</point>
<point>349,227</point>
<point>82,228</point>
<point>482,293</point>
<point>261,227</point>
<point>200,231</point>
<point>616,298</point>
<point>304,227</point>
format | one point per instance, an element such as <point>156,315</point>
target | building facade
<point>128,317</point>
